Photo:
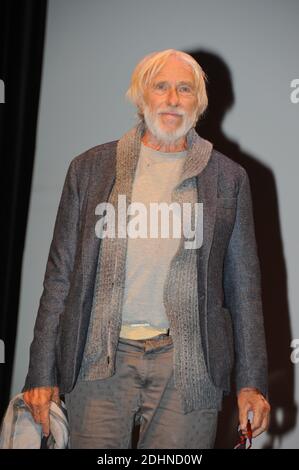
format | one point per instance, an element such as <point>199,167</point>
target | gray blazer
<point>228,275</point>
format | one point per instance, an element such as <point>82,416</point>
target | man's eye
<point>185,89</point>
<point>160,86</point>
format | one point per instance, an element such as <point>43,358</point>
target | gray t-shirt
<point>148,259</point>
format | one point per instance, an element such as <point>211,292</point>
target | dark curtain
<point>22,30</point>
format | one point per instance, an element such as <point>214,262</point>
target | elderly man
<point>138,328</point>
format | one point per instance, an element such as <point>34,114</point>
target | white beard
<point>167,137</point>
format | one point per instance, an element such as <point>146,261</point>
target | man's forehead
<point>181,71</point>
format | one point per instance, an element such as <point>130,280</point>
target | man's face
<point>170,101</point>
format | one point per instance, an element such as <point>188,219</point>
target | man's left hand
<point>251,399</point>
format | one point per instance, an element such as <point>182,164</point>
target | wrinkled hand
<point>38,401</point>
<point>251,399</point>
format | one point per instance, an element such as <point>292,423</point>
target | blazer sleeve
<point>242,290</point>
<point>60,264</point>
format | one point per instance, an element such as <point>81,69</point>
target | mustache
<point>172,111</point>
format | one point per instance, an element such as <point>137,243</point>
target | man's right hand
<point>38,400</point>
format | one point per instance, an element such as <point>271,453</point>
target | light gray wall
<point>90,51</point>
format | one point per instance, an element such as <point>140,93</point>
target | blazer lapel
<point>101,182</point>
<point>207,194</point>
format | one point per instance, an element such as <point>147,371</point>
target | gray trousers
<point>102,413</point>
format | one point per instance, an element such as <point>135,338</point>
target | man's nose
<point>172,97</point>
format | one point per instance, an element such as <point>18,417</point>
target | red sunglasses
<point>245,436</point>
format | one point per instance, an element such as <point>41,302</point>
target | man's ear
<point>140,110</point>
<point>140,104</point>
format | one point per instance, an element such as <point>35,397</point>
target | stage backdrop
<point>250,52</point>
